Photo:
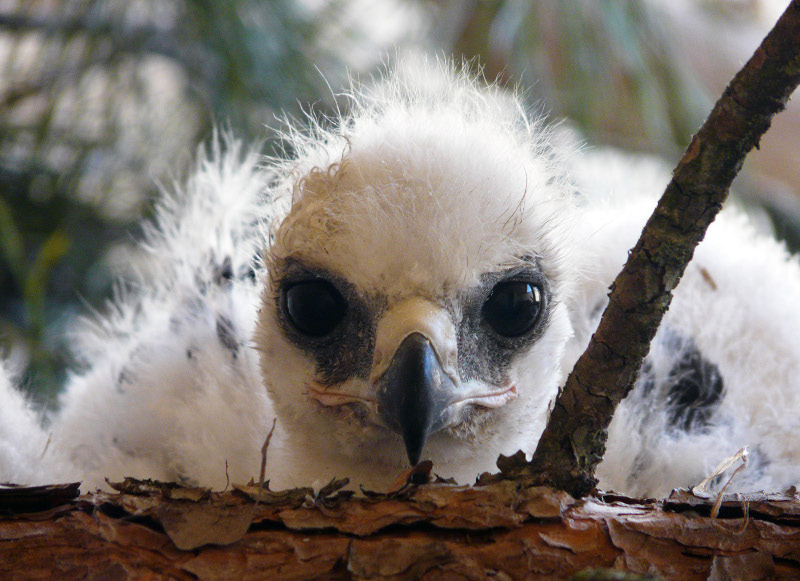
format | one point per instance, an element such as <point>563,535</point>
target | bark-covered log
<point>436,531</point>
<point>574,441</point>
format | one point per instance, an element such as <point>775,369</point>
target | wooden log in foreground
<point>436,531</point>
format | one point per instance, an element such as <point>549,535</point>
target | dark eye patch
<point>315,307</point>
<point>503,316</point>
<point>327,318</point>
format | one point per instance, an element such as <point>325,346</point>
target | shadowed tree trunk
<point>506,527</point>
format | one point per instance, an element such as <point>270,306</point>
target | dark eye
<point>314,307</point>
<point>513,308</point>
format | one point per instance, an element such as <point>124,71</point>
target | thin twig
<point>264,456</point>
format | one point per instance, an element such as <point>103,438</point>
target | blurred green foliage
<point>610,67</point>
<point>31,277</point>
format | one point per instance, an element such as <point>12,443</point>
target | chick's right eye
<point>513,308</point>
<point>314,307</point>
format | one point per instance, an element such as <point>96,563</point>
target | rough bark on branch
<point>574,441</point>
<point>437,531</point>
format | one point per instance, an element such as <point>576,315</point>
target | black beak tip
<point>414,447</point>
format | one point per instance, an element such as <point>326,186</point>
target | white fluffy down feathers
<point>426,196</point>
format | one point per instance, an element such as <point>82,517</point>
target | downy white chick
<point>415,282</point>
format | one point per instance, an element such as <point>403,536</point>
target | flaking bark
<point>436,531</point>
<point>574,441</point>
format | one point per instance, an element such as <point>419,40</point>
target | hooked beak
<point>414,393</point>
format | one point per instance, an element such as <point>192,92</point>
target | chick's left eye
<point>314,307</point>
<point>513,308</point>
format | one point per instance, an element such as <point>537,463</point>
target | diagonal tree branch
<point>574,441</point>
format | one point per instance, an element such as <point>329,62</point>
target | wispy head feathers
<point>431,169</point>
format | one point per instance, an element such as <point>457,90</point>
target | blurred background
<point>103,100</point>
